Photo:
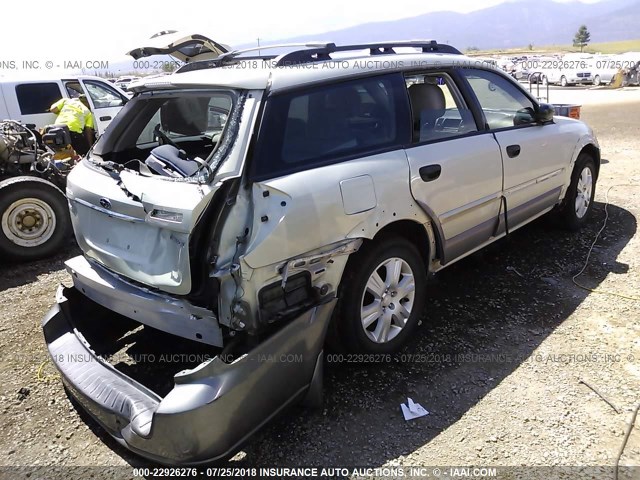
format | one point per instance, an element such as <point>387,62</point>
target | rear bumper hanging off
<point>212,408</point>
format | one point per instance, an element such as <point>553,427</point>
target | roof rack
<point>220,62</point>
<point>317,52</point>
<point>320,53</point>
<point>229,57</point>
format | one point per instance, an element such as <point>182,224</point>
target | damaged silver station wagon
<point>239,209</point>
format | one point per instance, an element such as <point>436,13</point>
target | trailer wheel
<point>34,219</point>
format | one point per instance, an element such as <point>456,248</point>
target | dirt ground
<point>505,343</point>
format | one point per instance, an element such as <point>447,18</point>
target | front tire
<point>34,219</point>
<point>578,202</point>
<point>597,81</point>
<point>381,296</point>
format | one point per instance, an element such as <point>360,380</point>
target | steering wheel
<point>159,133</point>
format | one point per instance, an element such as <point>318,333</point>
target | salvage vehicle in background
<point>27,101</point>
<point>34,218</point>
<point>244,206</point>
<point>123,82</point>
<point>558,75</point>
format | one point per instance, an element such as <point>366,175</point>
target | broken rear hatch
<point>137,197</point>
<point>184,48</point>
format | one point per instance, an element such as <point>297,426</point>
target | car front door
<point>535,156</point>
<point>105,102</point>
<point>456,170</point>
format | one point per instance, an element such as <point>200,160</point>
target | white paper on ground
<point>412,410</point>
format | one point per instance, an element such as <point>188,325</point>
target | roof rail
<point>228,57</point>
<point>315,54</point>
<point>318,51</point>
<point>219,62</point>
<point>235,53</point>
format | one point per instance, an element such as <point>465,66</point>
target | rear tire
<point>34,219</point>
<point>578,202</point>
<point>382,296</point>
<point>563,81</point>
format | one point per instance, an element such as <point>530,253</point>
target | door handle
<point>513,150</point>
<point>429,173</point>
<point>104,119</point>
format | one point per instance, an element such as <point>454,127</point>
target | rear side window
<point>325,124</point>
<point>36,98</point>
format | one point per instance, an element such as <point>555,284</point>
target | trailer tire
<point>34,219</point>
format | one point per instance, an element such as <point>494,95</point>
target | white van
<point>28,100</point>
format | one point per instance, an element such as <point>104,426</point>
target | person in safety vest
<point>75,114</point>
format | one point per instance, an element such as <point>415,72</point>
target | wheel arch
<point>423,236</point>
<point>594,151</point>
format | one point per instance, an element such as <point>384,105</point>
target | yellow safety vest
<point>73,114</point>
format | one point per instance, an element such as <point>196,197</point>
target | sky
<point>101,29</point>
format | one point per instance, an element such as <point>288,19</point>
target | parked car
<point>123,82</point>
<point>28,101</point>
<point>604,68</point>
<point>563,76</point>
<point>277,200</point>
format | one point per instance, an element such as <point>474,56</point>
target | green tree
<point>169,66</point>
<point>582,37</point>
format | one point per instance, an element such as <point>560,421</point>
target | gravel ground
<point>505,342</point>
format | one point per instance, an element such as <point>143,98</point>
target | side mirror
<point>545,113</point>
<point>525,116</point>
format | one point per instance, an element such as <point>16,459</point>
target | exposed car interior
<point>171,136</point>
<point>438,110</point>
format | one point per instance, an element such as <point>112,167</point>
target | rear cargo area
<point>147,355</point>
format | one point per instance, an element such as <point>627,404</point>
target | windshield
<point>174,134</point>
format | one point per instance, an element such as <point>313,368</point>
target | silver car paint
<point>306,221</point>
<point>212,409</point>
<point>126,238</point>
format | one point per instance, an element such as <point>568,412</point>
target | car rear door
<point>535,157</point>
<point>456,170</point>
<point>330,162</point>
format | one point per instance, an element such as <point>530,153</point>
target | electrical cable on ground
<point>615,294</point>
<point>586,263</point>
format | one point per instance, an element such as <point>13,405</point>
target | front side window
<point>36,98</point>
<point>503,103</point>
<point>323,124</point>
<point>438,110</point>
<point>103,96</point>
<point>74,90</point>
